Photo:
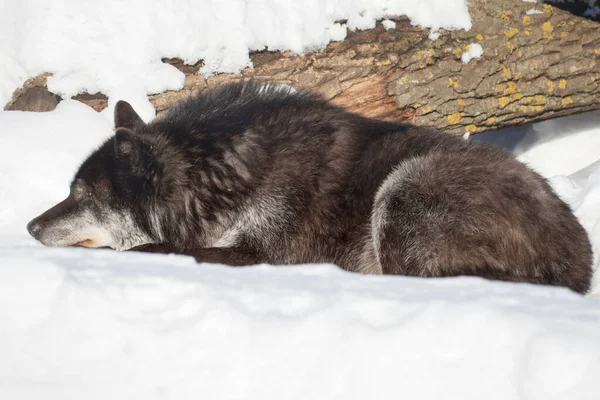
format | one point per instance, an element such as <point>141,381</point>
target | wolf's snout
<point>43,227</point>
<point>34,228</point>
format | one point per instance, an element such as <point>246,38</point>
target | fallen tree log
<point>535,65</point>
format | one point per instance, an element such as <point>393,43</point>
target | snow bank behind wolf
<point>250,173</point>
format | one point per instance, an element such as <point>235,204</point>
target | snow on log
<point>533,66</point>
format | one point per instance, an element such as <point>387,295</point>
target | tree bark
<point>534,67</point>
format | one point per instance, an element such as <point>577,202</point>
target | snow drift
<point>101,325</point>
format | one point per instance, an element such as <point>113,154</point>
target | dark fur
<point>275,177</point>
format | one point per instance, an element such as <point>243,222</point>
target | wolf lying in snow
<point>251,173</point>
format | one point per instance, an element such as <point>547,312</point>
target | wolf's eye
<point>89,194</point>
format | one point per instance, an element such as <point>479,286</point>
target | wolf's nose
<point>34,228</point>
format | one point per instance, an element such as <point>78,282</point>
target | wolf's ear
<point>125,116</point>
<point>128,148</point>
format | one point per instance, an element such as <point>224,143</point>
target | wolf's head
<point>109,196</point>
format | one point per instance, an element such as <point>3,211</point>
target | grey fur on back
<point>272,175</point>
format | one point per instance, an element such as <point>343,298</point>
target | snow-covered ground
<point>102,325</point>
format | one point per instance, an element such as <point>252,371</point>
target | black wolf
<point>250,173</point>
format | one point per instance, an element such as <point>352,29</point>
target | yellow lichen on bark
<point>454,118</point>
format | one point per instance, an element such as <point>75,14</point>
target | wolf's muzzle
<point>36,226</point>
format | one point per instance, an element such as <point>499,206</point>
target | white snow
<point>533,11</point>
<point>474,51</point>
<point>115,47</point>
<point>547,145</point>
<point>102,325</point>
<point>388,24</point>
<point>98,324</point>
<point>434,35</point>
